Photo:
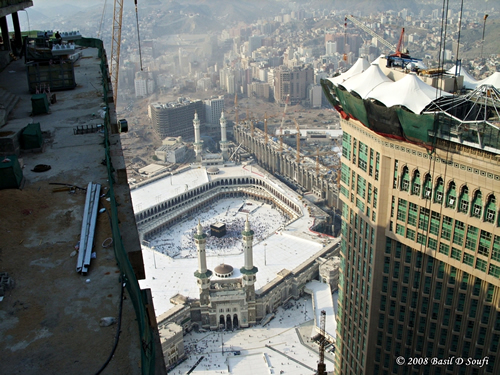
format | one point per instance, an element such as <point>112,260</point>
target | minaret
<point>223,136</point>
<point>248,246</point>
<point>198,143</point>
<point>202,274</point>
<point>248,272</point>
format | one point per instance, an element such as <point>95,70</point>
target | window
<point>446,227</point>
<point>451,196</point>
<point>439,191</point>
<point>477,205</point>
<point>464,200</point>
<point>432,244</point>
<point>415,186</point>
<point>444,249</point>
<point>484,243</point>
<point>456,254</point>
<point>427,187</point>
<point>405,179</point>
<point>402,207</point>
<point>410,234</point>
<point>421,239</point>
<point>494,270</point>
<point>458,234</point>
<point>490,210</point>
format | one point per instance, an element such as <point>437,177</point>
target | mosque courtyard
<point>178,241</point>
<point>283,346</point>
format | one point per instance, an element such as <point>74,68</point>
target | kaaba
<point>218,230</point>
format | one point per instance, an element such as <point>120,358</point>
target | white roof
<point>409,91</point>
<point>323,300</point>
<point>365,82</point>
<point>377,60</point>
<point>359,66</point>
<point>469,81</point>
<point>493,80</point>
<point>152,168</point>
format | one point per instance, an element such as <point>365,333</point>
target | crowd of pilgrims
<point>231,243</point>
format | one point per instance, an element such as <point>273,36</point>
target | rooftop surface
<point>284,344</point>
<point>49,322</point>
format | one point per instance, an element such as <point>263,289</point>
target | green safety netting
<point>31,136</point>
<point>383,120</point>
<point>39,104</point>
<point>137,296</point>
<point>356,108</point>
<point>11,174</point>
<point>416,127</point>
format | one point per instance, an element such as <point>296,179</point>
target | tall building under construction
<point>419,287</point>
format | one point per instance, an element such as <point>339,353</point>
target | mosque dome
<point>223,270</point>
<point>213,170</point>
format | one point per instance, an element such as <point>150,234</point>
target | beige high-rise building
<point>293,82</point>
<point>419,286</point>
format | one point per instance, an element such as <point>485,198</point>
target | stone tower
<point>249,271</point>
<point>223,137</point>
<point>202,274</point>
<point>198,143</point>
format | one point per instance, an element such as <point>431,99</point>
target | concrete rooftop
<point>49,322</point>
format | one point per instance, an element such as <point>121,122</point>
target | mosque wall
<point>276,162</point>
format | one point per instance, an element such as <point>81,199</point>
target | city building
<point>144,84</point>
<point>293,82</point>
<point>259,90</point>
<point>172,343</point>
<point>213,109</point>
<point>420,252</point>
<point>175,153</point>
<point>176,118</point>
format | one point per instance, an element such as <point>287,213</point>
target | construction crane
<point>399,47</point>
<point>116,38</point>
<point>363,27</point>
<point>298,140</point>
<point>236,109</point>
<point>322,344</point>
<point>265,128</point>
<point>283,122</point>
<point>484,28</point>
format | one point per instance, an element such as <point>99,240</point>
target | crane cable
<point>138,36</point>
<point>102,18</point>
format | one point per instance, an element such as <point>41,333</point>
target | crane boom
<point>298,140</point>
<point>363,27</point>
<point>116,38</point>
<point>282,122</point>
<point>322,343</point>
<point>265,128</point>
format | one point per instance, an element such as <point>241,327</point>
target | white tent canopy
<point>409,92</point>
<point>365,82</point>
<point>469,81</point>
<point>493,80</point>
<point>359,66</point>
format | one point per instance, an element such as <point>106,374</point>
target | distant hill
<point>202,16</point>
<point>472,40</point>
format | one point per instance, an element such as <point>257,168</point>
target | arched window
<point>463,204</point>
<point>416,184</point>
<point>427,186</point>
<point>477,205</point>
<point>405,179</point>
<point>439,191</point>
<point>490,209</point>
<point>451,196</point>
